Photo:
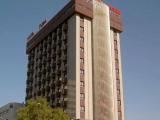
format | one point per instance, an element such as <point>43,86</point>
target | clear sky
<point>140,46</point>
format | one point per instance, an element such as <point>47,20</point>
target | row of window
<point>117,75</point>
<point>82,71</point>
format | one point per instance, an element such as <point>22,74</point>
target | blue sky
<point>140,46</point>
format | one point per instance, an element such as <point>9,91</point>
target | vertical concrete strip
<point>88,70</point>
<point>102,64</point>
<point>71,66</point>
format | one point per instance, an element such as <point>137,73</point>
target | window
<point>82,96</point>
<point>82,84</point>
<point>116,52</point>
<point>81,49</point>
<point>116,61</point>
<point>82,72</point>
<point>82,29</point>
<point>81,19</point>
<point>119,114</point>
<point>119,102</point>
<point>82,109</point>
<point>81,60</point>
<point>115,35</point>
<point>82,39</point>
<point>117,71</point>
<point>118,91</point>
<point>118,81</point>
<point>115,42</point>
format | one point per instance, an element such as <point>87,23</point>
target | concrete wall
<point>71,67</point>
<point>74,67</point>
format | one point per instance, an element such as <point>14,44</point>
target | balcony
<point>44,53</point>
<point>49,58</point>
<point>40,65</point>
<point>65,37</point>
<point>27,81</point>
<point>53,86</point>
<point>48,69</point>
<point>43,91</point>
<point>30,96</point>
<point>64,81</point>
<point>45,43</point>
<point>48,79</point>
<point>58,83</point>
<point>64,91</point>
<point>53,65</point>
<point>64,69</point>
<point>53,74</point>
<point>58,52</point>
<point>39,74</point>
<point>44,71</point>
<point>58,94</point>
<point>31,79</point>
<point>65,27</point>
<point>54,56</point>
<point>64,47</point>
<point>59,31</point>
<point>49,40</point>
<point>58,104</point>
<point>48,99</point>
<point>28,73</point>
<point>58,62</point>
<point>53,36</point>
<point>48,88</point>
<point>39,93</point>
<point>32,54</point>
<point>64,58</point>
<point>59,42</point>
<point>31,62</point>
<point>48,49</point>
<point>54,45</point>
<point>53,96</point>
<point>27,90</point>
<point>43,81</point>
<point>40,47</point>
<point>39,83</point>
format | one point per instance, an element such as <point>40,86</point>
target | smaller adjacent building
<point>8,111</point>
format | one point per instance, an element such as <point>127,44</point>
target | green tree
<point>39,109</point>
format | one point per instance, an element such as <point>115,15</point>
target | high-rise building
<point>74,60</point>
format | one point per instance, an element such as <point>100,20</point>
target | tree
<point>39,109</point>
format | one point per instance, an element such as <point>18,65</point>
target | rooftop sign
<point>115,10</point>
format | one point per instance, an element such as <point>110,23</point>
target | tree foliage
<point>39,109</point>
